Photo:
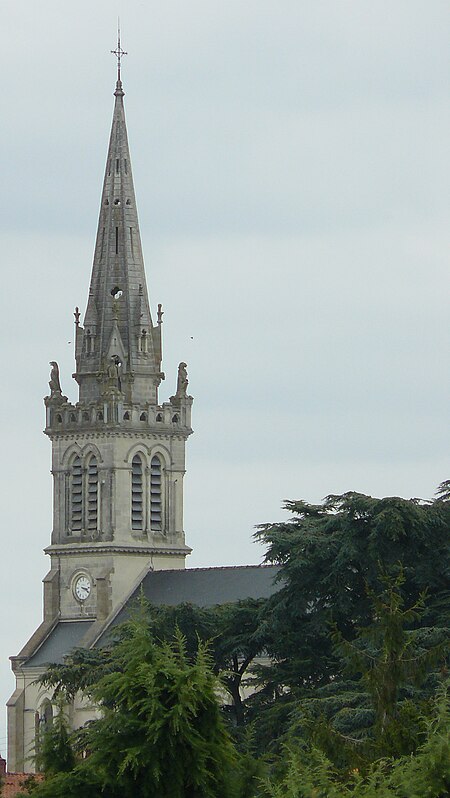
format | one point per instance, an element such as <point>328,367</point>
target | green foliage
<point>161,730</point>
<point>390,656</point>
<point>428,773</point>
<point>332,560</point>
<point>55,753</point>
<point>342,713</point>
<point>79,782</point>
<point>309,773</point>
<point>29,784</point>
<point>375,705</point>
<point>233,632</point>
<point>160,733</point>
<point>443,491</point>
<point>80,671</point>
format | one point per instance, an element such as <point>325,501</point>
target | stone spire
<point>118,347</point>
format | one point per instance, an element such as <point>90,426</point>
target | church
<point>118,463</point>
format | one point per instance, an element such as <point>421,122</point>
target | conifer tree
<point>160,733</point>
<point>55,752</point>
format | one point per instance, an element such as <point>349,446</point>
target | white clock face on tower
<point>82,588</point>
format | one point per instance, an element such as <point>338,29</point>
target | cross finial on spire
<point>118,52</point>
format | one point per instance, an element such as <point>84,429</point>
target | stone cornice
<point>77,549</point>
<point>78,435</point>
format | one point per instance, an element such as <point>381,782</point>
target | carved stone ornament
<point>54,383</point>
<point>182,385</point>
<point>182,381</point>
<point>111,375</point>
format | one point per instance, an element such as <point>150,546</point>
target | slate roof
<point>65,636</point>
<point>204,587</point>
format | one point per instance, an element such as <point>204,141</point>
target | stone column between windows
<point>65,506</point>
<point>99,501</point>
<point>59,480</point>
<point>146,499</point>
<point>109,503</point>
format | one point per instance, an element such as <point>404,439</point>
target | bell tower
<point>118,458</point>
<point>118,455</point>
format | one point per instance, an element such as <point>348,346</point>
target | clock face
<point>82,588</point>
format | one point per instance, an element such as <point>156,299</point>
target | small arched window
<point>137,491</point>
<point>46,714</point>
<point>76,496</point>
<point>156,494</point>
<point>43,721</point>
<point>92,495</point>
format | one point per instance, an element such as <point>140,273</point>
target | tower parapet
<point>111,411</point>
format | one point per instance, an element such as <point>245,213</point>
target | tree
<point>55,753</point>
<point>375,704</point>
<point>232,631</point>
<point>352,564</point>
<point>308,773</point>
<point>329,554</point>
<point>160,732</point>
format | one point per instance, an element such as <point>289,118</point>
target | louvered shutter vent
<point>92,494</point>
<point>155,494</point>
<point>136,493</point>
<point>76,496</point>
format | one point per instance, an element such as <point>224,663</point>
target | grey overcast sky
<point>291,166</point>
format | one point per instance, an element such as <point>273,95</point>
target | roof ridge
<point>213,568</point>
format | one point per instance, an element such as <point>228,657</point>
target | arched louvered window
<point>137,493</point>
<point>92,495</point>
<point>76,496</point>
<point>156,494</point>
